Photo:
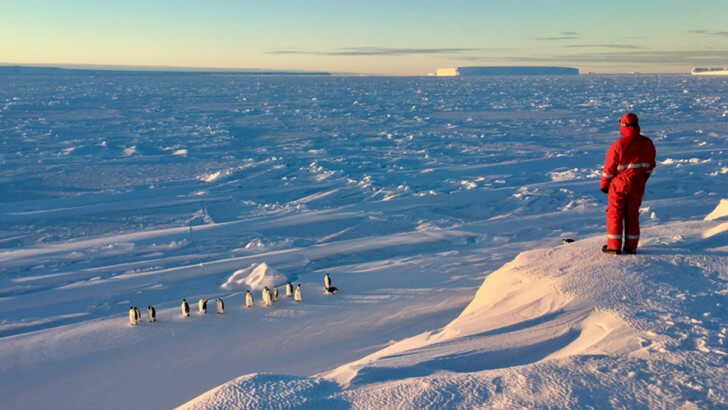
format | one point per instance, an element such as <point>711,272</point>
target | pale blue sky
<point>372,36</point>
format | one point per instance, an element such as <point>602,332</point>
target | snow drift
<point>255,277</point>
<point>566,326</point>
<point>721,211</point>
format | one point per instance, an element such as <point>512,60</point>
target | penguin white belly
<point>297,295</point>
<point>132,317</point>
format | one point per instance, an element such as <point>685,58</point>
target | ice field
<point>437,205</point>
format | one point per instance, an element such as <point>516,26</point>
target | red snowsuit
<point>629,163</point>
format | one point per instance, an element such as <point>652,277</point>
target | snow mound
<point>564,326</point>
<point>255,244</point>
<point>545,304</point>
<point>256,277</point>
<point>720,211</point>
<point>550,314</point>
<point>256,391</point>
<point>210,177</point>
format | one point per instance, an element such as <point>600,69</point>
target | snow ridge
<point>554,327</point>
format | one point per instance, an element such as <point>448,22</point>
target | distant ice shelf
<point>85,69</point>
<point>504,70</point>
<point>710,71</point>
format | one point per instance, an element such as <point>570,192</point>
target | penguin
<point>132,316</point>
<point>185,308</point>
<point>202,306</point>
<point>274,296</point>
<point>248,299</point>
<point>220,306</point>
<point>137,315</point>
<point>151,313</point>
<point>297,294</point>
<point>328,289</point>
<point>289,290</point>
<point>266,296</point>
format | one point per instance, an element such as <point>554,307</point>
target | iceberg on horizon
<point>504,70</point>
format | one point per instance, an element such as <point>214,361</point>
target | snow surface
<point>437,205</point>
<point>554,327</point>
<point>720,211</point>
<point>255,277</point>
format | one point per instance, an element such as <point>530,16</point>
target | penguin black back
<point>185,308</point>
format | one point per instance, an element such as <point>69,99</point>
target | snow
<point>211,177</point>
<point>130,150</point>
<point>255,277</point>
<point>646,330</point>
<point>721,211</point>
<point>438,208</point>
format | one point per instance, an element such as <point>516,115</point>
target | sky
<point>392,37</point>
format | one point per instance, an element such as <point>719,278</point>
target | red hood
<point>629,131</point>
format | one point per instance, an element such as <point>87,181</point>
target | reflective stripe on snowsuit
<point>629,163</point>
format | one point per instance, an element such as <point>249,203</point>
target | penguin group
<point>135,315</point>
<point>297,297</point>
<point>268,296</point>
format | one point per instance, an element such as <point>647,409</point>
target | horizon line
<point>230,70</point>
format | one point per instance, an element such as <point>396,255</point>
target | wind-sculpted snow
<point>254,277</point>
<point>269,391</point>
<point>132,189</point>
<point>554,327</point>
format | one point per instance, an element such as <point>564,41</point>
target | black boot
<point>629,251</point>
<point>610,251</point>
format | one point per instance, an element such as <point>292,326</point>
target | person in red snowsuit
<point>629,163</point>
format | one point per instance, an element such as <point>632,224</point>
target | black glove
<point>605,190</point>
